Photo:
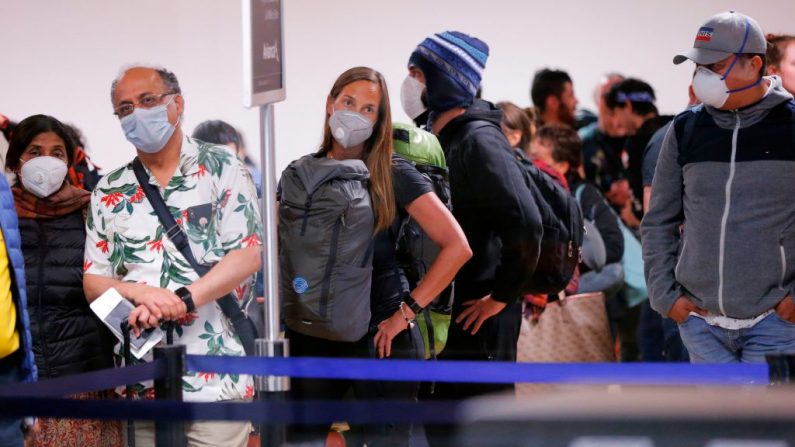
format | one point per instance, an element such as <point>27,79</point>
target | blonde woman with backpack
<point>357,144</point>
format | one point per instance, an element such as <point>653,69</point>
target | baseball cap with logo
<point>721,36</point>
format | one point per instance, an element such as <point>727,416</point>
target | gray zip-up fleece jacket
<point>721,223</point>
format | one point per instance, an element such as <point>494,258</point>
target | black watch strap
<point>184,294</point>
<point>413,304</point>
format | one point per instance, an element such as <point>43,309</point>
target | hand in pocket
<point>786,309</point>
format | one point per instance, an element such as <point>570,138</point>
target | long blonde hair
<point>377,149</point>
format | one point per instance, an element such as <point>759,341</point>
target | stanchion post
<point>782,368</point>
<point>270,388</point>
<point>171,433</point>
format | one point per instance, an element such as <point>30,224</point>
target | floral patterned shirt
<point>212,198</point>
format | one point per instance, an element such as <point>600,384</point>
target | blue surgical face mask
<point>148,129</point>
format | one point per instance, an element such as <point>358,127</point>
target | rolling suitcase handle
<point>127,350</point>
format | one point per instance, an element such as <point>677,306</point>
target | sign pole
<point>264,85</point>
<point>271,388</point>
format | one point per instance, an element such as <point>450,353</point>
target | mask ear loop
<point>736,58</point>
<point>179,118</point>
<point>737,54</point>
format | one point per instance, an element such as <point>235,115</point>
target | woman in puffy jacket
<point>67,337</point>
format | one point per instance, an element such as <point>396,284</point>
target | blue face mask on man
<point>148,129</point>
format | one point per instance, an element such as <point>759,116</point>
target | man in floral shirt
<point>212,197</point>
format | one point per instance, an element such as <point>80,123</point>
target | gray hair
<point>168,78</point>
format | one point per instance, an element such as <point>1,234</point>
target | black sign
<point>263,51</point>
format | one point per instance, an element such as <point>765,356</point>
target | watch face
<point>189,303</point>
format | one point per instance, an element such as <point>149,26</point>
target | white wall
<point>59,57</point>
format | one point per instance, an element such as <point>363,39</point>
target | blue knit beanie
<point>453,64</point>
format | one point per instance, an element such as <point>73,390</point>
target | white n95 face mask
<point>411,97</point>
<point>710,87</point>
<point>350,129</point>
<point>43,176</point>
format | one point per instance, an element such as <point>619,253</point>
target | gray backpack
<point>325,248</point>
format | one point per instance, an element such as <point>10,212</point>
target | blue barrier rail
<point>46,398</point>
<point>411,370</point>
<point>105,379</point>
<point>304,412</point>
<point>488,372</point>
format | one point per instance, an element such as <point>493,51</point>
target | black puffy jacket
<point>67,337</point>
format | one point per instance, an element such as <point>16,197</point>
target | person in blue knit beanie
<point>453,65</point>
<point>490,201</point>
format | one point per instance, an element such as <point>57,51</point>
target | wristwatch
<point>413,304</point>
<point>184,294</point>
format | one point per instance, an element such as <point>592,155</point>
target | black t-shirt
<point>652,153</point>
<point>389,284</point>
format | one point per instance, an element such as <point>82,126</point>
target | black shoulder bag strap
<point>687,131</point>
<point>244,327</point>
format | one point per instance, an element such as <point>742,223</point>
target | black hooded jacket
<point>492,204</point>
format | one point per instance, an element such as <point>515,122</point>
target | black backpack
<point>561,217</point>
<point>561,243</point>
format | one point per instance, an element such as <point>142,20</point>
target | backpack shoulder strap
<point>578,193</point>
<point>578,197</point>
<point>431,336</point>
<point>690,125</point>
<point>476,124</point>
<point>792,111</point>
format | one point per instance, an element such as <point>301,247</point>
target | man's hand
<point>628,216</point>
<point>162,304</point>
<point>619,193</point>
<point>786,309</point>
<point>140,318</point>
<point>478,311</point>
<point>682,308</point>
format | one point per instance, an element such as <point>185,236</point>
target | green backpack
<point>415,250</point>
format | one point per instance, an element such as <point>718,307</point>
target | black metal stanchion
<point>782,368</point>
<point>170,433</point>
<point>272,389</point>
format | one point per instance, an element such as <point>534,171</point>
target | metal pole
<point>170,434</point>
<point>272,344</point>
<point>270,254</point>
<point>782,368</point>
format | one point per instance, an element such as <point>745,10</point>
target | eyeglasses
<point>147,102</point>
